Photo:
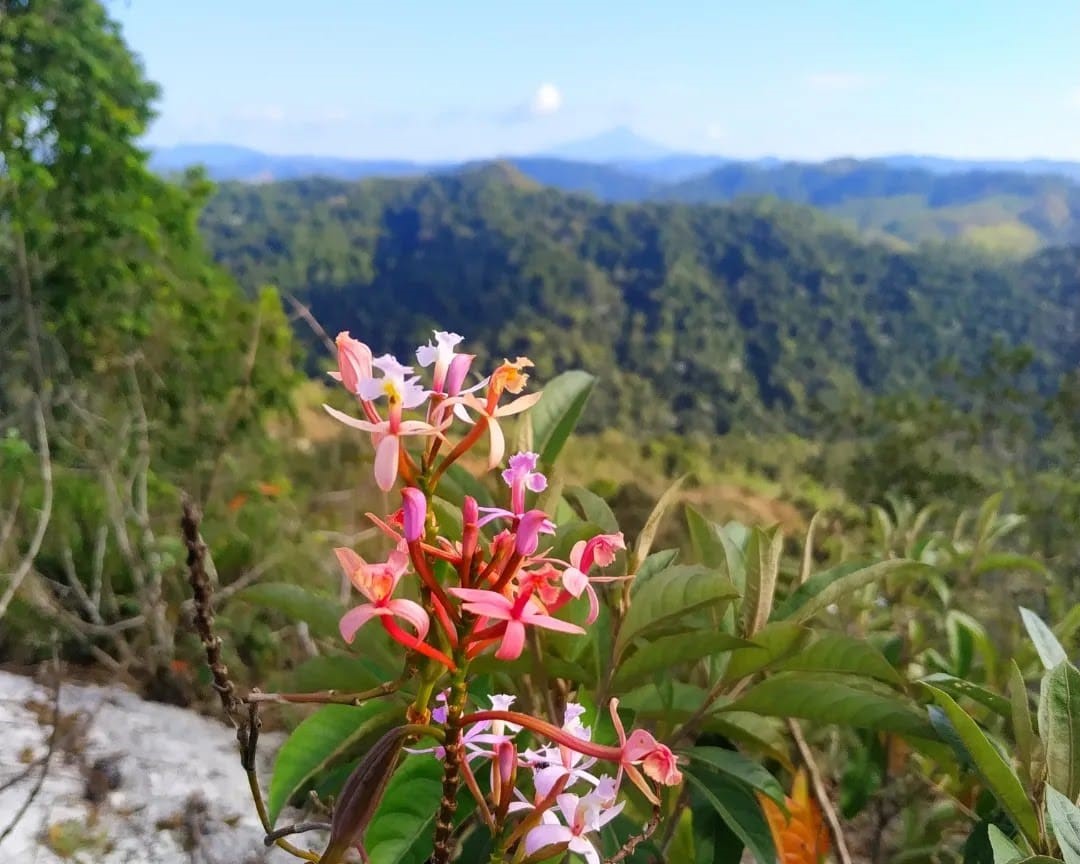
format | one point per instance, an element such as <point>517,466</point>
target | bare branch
<point>44,516</point>
<point>836,831</point>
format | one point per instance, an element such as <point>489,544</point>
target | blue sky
<point>467,78</point>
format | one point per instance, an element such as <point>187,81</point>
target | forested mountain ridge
<point>699,317</point>
<point>1010,208</point>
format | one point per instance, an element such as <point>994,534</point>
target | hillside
<point>1007,208</point>
<point>699,317</point>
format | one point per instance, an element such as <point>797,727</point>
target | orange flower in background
<point>800,836</point>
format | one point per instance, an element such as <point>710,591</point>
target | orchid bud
<point>456,372</point>
<point>532,525</point>
<point>470,511</point>
<point>360,796</point>
<point>354,361</point>
<point>503,777</point>
<point>413,513</point>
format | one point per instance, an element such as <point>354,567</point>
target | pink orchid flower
<point>641,748</point>
<point>508,378</point>
<point>401,392</point>
<point>354,362</point>
<point>442,356</point>
<point>599,550</point>
<point>582,815</point>
<point>377,582</point>
<point>520,476</point>
<point>518,613</point>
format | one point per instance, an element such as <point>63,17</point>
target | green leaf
<point>823,589</point>
<point>558,411</point>
<point>737,766</point>
<point>1005,851</point>
<point>347,674</point>
<point>668,652</point>
<point>458,482</point>
<point>321,739</point>
<point>767,736</point>
<point>991,767</point>
<point>669,596</point>
<point>668,701</point>
<point>403,828</point>
<point>1007,561</point>
<point>595,508</point>
<point>1065,820</point>
<point>1050,651</point>
<point>739,809</point>
<point>841,699</point>
<point>704,539</point>
<point>762,568</point>
<point>321,613</point>
<point>1023,731</point>
<point>773,643</point>
<point>652,524</point>
<point>836,652</point>
<point>1059,728</point>
<point>655,563</point>
<point>957,687</point>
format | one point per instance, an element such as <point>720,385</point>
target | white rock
<point>169,760</point>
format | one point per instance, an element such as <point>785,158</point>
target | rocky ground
<point>126,781</point>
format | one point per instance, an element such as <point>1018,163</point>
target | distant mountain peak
<point>618,144</point>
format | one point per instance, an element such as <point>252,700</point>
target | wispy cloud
<point>836,82</point>
<point>1072,99</point>
<point>716,131</point>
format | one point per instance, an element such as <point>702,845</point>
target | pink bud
<point>455,374</point>
<point>532,525</point>
<point>413,513</point>
<point>470,512</point>
<point>354,361</point>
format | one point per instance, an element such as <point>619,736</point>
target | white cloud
<point>835,82</point>
<point>546,100</point>
<point>715,132</point>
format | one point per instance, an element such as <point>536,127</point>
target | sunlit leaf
<point>1050,651</point>
<point>737,766</point>
<point>1059,728</point>
<point>1065,820</point>
<point>739,809</point>
<point>823,589</point>
<point>558,411</point>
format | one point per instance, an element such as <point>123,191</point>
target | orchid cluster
<point>485,589</point>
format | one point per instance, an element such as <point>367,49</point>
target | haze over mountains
<point>1011,208</point>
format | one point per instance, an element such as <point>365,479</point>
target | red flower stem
<point>416,553</point>
<point>415,644</point>
<point>508,571</point>
<point>550,731</point>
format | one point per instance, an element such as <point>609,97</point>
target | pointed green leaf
<point>321,613</point>
<point>842,699</point>
<point>655,563</point>
<point>1059,728</point>
<point>1007,561</point>
<point>1065,821</point>
<point>1023,730</point>
<point>669,596</point>
<point>762,568</point>
<point>772,644</point>
<point>1005,851</point>
<point>1050,651</point>
<point>652,524</point>
<point>595,508</point>
<point>704,538</point>
<point>836,652</point>
<point>668,652</point>
<point>957,687</point>
<point>321,739</point>
<point>737,766</point>
<point>823,589</point>
<point>992,767</point>
<point>739,810</point>
<point>558,411</point>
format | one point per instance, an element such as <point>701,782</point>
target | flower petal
<point>350,562</point>
<point>355,422</point>
<point>386,462</point>
<point>356,618</point>
<point>478,595</point>
<point>546,835</point>
<point>413,613</point>
<point>498,443</point>
<point>522,403</point>
<point>548,623</point>
<point>513,641</point>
